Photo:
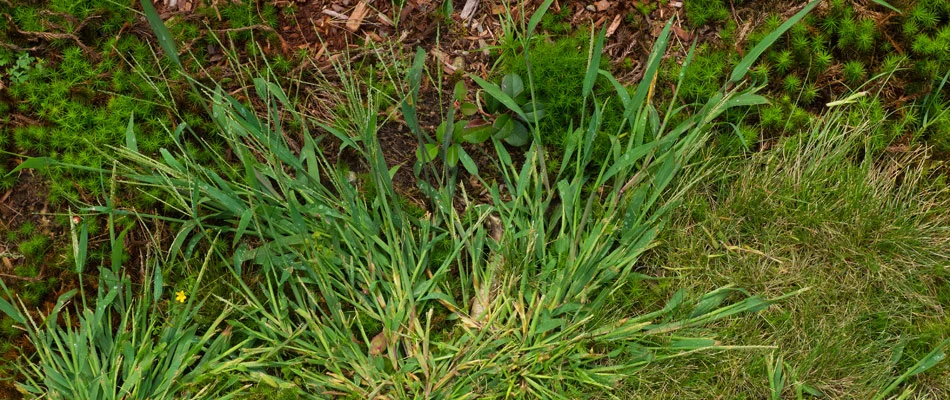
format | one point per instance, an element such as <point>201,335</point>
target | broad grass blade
<point>130,141</point>
<point>80,242</point>
<point>495,92</point>
<point>886,4</point>
<point>164,36</point>
<point>739,72</point>
<point>10,311</point>
<point>652,65</point>
<point>594,63</point>
<point>409,105</point>
<point>34,163</point>
<point>536,17</point>
<point>929,361</point>
<point>158,284</point>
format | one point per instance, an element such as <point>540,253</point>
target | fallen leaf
<point>378,344</point>
<point>681,33</point>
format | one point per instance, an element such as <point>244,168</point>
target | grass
<point>642,264</point>
<point>337,293</point>
<point>867,235</point>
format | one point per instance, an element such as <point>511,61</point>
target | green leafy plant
<point>507,114</point>
<point>451,133</point>
<point>22,68</point>
<point>511,112</point>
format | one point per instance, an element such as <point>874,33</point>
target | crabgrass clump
<point>319,268</point>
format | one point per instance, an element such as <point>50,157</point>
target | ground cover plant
<point>353,266</point>
<point>288,258</point>
<point>867,235</point>
<point>73,77</point>
<point>842,46</point>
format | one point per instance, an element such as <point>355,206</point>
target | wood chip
<point>613,26</point>
<point>468,11</point>
<point>356,18</point>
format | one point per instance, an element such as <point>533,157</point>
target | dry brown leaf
<point>378,344</point>
<point>681,33</point>
<point>468,11</point>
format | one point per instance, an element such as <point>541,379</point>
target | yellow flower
<point>180,296</point>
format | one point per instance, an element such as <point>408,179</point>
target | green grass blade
<point>888,5</point>
<point>929,361</point>
<point>11,311</point>
<point>743,67</point>
<point>495,92</point>
<point>537,16</point>
<point>594,63</point>
<point>653,63</point>
<point>161,31</point>
<point>408,105</point>
<point>130,141</point>
<point>37,163</point>
<point>80,241</point>
<point>158,284</point>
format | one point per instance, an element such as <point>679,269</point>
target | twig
<point>283,44</point>
<point>23,278</point>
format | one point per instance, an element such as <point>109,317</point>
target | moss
<point>557,22</point>
<point>8,327</point>
<point>704,76</point>
<point>703,12</point>
<point>35,246</point>
<point>558,67</point>
<point>854,72</point>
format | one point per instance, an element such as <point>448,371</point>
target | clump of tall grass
<point>126,340</point>
<point>339,294</point>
